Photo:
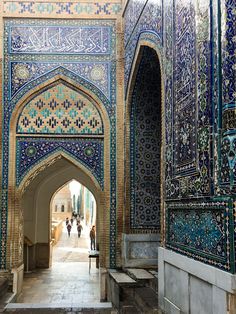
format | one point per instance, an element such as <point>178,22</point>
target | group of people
<point>69,224</point>
<point>92,233</point>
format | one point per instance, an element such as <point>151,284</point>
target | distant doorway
<point>70,228</point>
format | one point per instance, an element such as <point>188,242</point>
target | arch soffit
<point>143,42</point>
<point>91,184</point>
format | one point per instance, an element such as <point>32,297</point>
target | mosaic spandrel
<point>31,151</point>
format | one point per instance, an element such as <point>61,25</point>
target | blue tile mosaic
<point>229,52</point>
<point>60,110</point>
<point>60,40</point>
<point>145,148</point>
<point>22,73</point>
<point>131,17</point>
<point>56,9</point>
<point>150,22</point>
<point>101,67</point>
<point>31,151</point>
<point>187,43</point>
<point>202,230</point>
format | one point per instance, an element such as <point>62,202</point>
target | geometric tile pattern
<point>31,151</point>
<point>193,86</point>
<point>60,110</point>
<point>150,22</point>
<point>228,164</point>
<point>132,14</point>
<point>184,89</point>
<point>75,9</point>
<point>145,148</point>
<point>228,143</point>
<point>89,66</point>
<point>206,235</point>
<point>24,72</point>
<point>189,133</point>
<point>229,53</point>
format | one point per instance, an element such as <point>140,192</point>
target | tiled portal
<point>68,280</point>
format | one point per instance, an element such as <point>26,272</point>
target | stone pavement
<point>68,280</point>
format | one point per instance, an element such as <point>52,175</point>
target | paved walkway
<point>68,280</point>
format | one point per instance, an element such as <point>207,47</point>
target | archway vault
<point>152,42</point>
<point>36,203</point>
<point>50,160</point>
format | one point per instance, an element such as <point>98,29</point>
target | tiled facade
<point>57,9</point>
<point>83,57</point>
<point>66,65</point>
<point>199,159</point>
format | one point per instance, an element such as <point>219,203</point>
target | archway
<point>144,163</point>
<point>36,202</point>
<point>73,147</point>
<point>74,212</point>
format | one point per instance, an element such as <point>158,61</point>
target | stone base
<point>189,286</point>
<point>43,255</point>
<point>140,250</point>
<point>18,275</point>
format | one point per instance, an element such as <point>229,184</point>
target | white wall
<point>189,286</point>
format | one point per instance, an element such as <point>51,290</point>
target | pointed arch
<point>151,41</point>
<point>99,100</point>
<point>145,40</point>
<point>79,84</point>
<point>36,197</point>
<point>49,161</point>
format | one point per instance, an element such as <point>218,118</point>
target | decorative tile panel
<point>60,110</point>
<point>95,72</point>
<point>184,88</point>
<point>101,69</point>
<point>202,230</point>
<point>31,151</point>
<point>229,51</point>
<point>145,143</point>
<point>228,164</point>
<point>168,52</point>
<point>59,40</point>
<point>59,8</point>
<point>149,24</point>
<point>191,110</point>
<point>228,143</point>
<point>132,14</point>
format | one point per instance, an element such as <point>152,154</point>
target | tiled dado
<point>61,9</point>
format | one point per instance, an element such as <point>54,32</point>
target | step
<point>117,281</point>
<point>122,278</point>
<point>139,274</point>
<point>58,308</point>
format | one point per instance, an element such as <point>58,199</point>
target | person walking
<point>92,235</point>
<point>67,220</point>
<point>68,229</point>
<point>79,229</point>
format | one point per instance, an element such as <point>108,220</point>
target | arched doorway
<point>57,126</point>
<point>74,213</point>
<point>36,206</point>
<point>144,205</point>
